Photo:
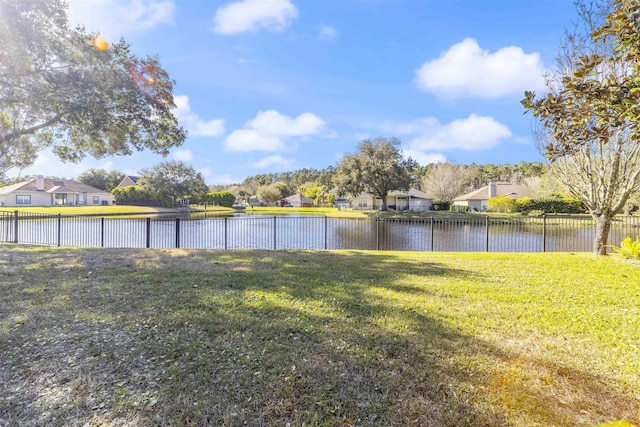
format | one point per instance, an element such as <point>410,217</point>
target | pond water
<point>315,232</point>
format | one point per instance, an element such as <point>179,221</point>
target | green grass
<point>180,337</point>
<point>89,210</point>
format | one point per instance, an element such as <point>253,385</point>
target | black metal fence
<point>457,234</point>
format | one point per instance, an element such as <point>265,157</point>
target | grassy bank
<point>106,210</point>
<point>176,337</point>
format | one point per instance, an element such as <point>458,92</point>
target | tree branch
<point>13,135</point>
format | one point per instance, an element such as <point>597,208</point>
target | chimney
<point>493,189</point>
<point>39,183</point>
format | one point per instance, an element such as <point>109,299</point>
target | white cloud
<point>424,158</point>
<point>428,138</point>
<point>194,124</point>
<point>466,70</point>
<point>328,33</point>
<point>183,155</point>
<point>224,179</point>
<point>252,15</point>
<point>270,130</point>
<point>274,162</point>
<point>115,18</point>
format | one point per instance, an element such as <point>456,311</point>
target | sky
<point>277,85</point>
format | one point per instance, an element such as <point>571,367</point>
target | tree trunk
<point>384,203</point>
<point>603,225</point>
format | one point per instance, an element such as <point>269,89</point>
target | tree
<point>57,90</point>
<point>136,196</point>
<point>269,193</point>
<point>445,181</point>
<point>173,180</point>
<point>101,178</point>
<point>221,198</point>
<point>377,168</point>
<point>590,114</point>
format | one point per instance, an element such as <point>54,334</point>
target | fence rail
<point>458,234</point>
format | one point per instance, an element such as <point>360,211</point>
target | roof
<point>508,189</point>
<point>298,198</point>
<point>412,193</point>
<point>132,178</point>
<point>51,186</point>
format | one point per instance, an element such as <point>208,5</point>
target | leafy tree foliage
<point>58,91</point>
<point>501,204</point>
<point>591,112</point>
<point>377,168</point>
<point>173,180</point>
<point>221,198</point>
<point>135,195</point>
<point>272,192</point>
<point>101,178</point>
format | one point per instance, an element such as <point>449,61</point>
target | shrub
<point>136,196</point>
<point>524,204</point>
<point>459,208</point>
<point>501,204</point>
<point>440,205</point>
<point>550,204</point>
<point>629,249</point>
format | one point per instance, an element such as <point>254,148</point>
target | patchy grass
<point>180,337</point>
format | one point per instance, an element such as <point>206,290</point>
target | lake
<point>473,233</point>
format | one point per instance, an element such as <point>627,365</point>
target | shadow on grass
<point>261,338</point>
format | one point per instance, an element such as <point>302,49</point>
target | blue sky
<point>274,85</point>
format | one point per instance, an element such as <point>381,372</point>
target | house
<point>297,201</point>
<point>477,199</point>
<point>53,192</point>
<point>128,180</point>
<point>413,200</point>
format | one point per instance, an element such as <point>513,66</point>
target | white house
<point>53,192</point>
<point>412,200</point>
<point>477,199</point>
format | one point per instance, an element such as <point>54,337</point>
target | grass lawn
<point>346,338</point>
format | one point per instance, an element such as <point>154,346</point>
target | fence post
<point>102,232</point>
<point>148,235</point>
<point>431,226</point>
<point>177,232</point>
<point>15,227</point>
<point>325,233</point>
<point>274,233</point>
<point>377,234</point>
<point>544,233</point>
<point>59,227</point>
<point>486,219</point>
<point>225,234</point>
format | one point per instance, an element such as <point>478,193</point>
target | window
<point>363,203</point>
<point>96,200</point>
<point>23,200</point>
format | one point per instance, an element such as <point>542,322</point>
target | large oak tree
<point>377,168</point>
<point>57,90</point>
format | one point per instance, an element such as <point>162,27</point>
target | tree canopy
<point>590,114</point>
<point>377,168</point>
<point>101,178</point>
<point>173,180</point>
<point>57,90</point>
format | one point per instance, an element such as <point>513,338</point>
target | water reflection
<point>239,231</point>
